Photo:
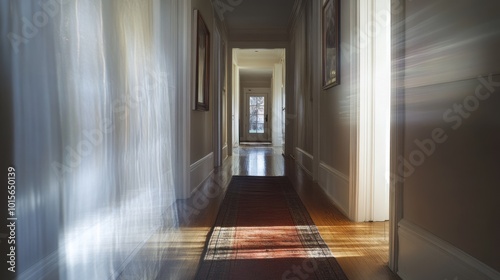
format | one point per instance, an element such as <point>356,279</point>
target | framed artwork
<point>202,76</point>
<point>331,38</point>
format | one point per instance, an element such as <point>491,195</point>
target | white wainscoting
<point>304,159</point>
<point>200,171</point>
<point>336,186</point>
<point>422,255</point>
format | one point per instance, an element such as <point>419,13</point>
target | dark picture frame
<point>331,38</point>
<point>202,74</point>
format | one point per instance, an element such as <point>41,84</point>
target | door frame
<point>398,38</point>
<point>371,200</point>
<point>361,134</point>
<point>233,84</point>
<point>267,93</point>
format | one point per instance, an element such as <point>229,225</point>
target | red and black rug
<point>263,231</point>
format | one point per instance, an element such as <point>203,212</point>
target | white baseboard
<point>200,171</point>
<point>304,159</point>
<point>422,255</point>
<point>336,186</point>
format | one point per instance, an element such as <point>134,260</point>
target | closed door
<point>256,117</point>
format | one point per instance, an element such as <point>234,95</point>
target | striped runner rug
<point>263,231</point>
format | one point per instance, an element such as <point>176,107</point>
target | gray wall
<point>453,190</point>
<point>202,121</point>
<point>334,103</point>
<point>303,103</point>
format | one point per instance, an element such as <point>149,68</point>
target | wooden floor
<point>360,248</point>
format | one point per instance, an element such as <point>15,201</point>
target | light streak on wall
<point>93,133</point>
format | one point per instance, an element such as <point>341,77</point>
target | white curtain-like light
<point>93,104</point>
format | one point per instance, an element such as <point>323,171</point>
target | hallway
<point>119,120</point>
<point>360,248</point>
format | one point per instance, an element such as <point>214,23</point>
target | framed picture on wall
<point>202,68</point>
<point>331,38</point>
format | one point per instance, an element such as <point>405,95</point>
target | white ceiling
<point>258,57</point>
<point>256,74</point>
<point>257,64</point>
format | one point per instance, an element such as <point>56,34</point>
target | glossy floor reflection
<point>257,161</point>
<point>360,248</point>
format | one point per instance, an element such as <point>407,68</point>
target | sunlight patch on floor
<point>262,243</point>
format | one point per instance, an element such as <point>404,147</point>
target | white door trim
<point>397,128</point>
<point>371,199</point>
<point>266,92</point>
<point>182,180</point>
